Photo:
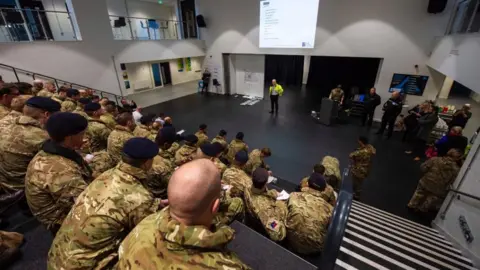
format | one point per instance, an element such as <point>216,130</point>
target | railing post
<point>41,24</point>
<point>16,75</point>
<point>56,83</point>
<point>148,29</point>
<point>27,29</point>
<point>73,27</point>
<point>131,29</point>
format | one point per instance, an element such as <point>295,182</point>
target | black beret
<point>191,138</point>
<point>84,100</point>
<point>242,156</point>
<point>63,124</point>
<point>92,107</point>
<point>72,92</point>
<point>260,176</point>
<point>44,103</point>
<point>203,126</point>
<point>210,149</point>
<point>317,181</point>
<point>140,148</point>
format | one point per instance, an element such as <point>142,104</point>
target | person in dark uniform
<point>372,100</point>
<point>392,108</point>
<point>206,80</point>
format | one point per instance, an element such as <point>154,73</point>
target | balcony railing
<point>465,17</point>
<point>17,25</point>
<point>136,28</point>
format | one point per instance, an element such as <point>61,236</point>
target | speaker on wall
<point>201,21</point>
<point>437,6</point>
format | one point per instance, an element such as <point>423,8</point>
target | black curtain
<point>286,69</point>
<point>351,72</point>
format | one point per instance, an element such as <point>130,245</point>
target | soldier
<point>16,111</point>
<point>24,88</point>
<point>263,206</point>
<point>122,133</point>
<point>187,152</point>
<point>61,95</point>
<point>438,174</point>
<point>103,101</point>
<point>202,135</point>
<point>236,177</point>
<point>332,171</point>
<point>100,162</point>
<point>21,140</point>
<point>144,128</point>
<point>70,103</point>
<point>37,86</point>
<point>48,91</point>
<point>328,194</point>
<point>110,113</point>
<point>111,206</point>
<point>361,163</point>
<point>82,102</point>
<point>97,132</point>
<point>308,218</point>
<point>57,174</point>
<point>212,152</point>
<point>337,94</point>
<point>165,140</point>
<point>7,92</point>
<point>10,243</point>
<point>256,160</point>
<point>221,138</point>
<point>235,146</point>
<point>158,177</point>
<point>193,194</point>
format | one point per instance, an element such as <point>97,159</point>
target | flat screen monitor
<point>408,84</point>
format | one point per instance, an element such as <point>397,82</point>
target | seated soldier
<point>61,95</point>
<point>111,206</point>
<point>328,194</point>
<point>202,135</point>
<point>182,235</point>
<point>263,206</point>
<point>144,129</point>
<point>236,177</point>
<point>308,218</point>
<point>212,152</point>
<point>97,131</point>
<point>17,110</point>
<point>256,160</point>
<point>80,109</point>
<point>57,174</point>
<point>120,135</point>
<point>221,138</point>
<point>110,112</point>
<point>165,140</point>
<point>187,152</point>
<point>71,101</point>
<point>235,146</point>
<point>21,141</point>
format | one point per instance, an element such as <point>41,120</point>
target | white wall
<point>186,76</point>
<point>459,58</point>
<point>253,65</point>
<point>400,32</point>
<point>141,9</point>
<point>139,76</point>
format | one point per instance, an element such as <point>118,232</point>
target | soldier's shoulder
<point>52,164</point>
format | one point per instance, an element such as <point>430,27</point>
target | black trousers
<point>390,120</point>
<point>274,103</point>
<point>368,115</point>
<point>419,148</point>
<point>205,87</point>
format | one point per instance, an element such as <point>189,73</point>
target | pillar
<point>306,68</point>
<point>446,87</point>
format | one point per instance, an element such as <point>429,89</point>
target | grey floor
<point>158,95</point>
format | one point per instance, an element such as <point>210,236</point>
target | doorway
<point>157,75</point>
<point>166,74</point>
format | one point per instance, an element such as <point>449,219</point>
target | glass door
<point>157,75</point>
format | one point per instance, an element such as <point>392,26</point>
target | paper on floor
<point>181,132</point>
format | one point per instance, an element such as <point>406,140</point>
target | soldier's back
<point>45,93</point>
<point>160,242</point>
<point>184,154</point>
<point>9,119</point>
<point>441,172</point>
<point>108,119</point>
<point>69,105</point>
<point>202,138</point>
<point>142,131</point>
<point>220,140</point>
<point>238,179</point>
<point>96,135</point>
<point>254,161</point>
<point>3,111</point>
<point>116,140</point>
<point>234,147</point>
<point>159,176</point>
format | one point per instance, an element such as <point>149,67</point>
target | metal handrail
<point>145,18</point>
<point>464,194</point>
<point>33,9</point>
<point>33,74</point>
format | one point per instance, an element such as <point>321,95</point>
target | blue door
<point>157,77</point>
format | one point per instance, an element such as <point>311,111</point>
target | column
<point>306,68</point>
<point>446,87</point>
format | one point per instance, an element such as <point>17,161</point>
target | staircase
<point>375,239</point>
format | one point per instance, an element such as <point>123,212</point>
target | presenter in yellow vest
<point>276,91</point>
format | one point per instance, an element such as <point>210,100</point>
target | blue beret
<point>241,156</point>
<point>211,150</point>
<point>44,103</point>
<point>191,138</point>
<point>84,101</point>
<point>91,107</point>
<point>317,181</point>
<point>72,92</point>
<point>140,148</point>
<point>63,124</point>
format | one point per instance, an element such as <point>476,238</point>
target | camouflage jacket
<point>220,165</point>
<point>221,140</point>
<point>230,209</point>
<point>361,161</point>
<point>4,111</point>
<point>439,173</point>
<point>142,131</point>
<point>96,136</point>
<point>307,222</point>
<point>170,152</point>
<point>80,111</point>
<point>69,105</point>
<point>264,207</point>
<point>52,184</point>
<point>158,177</point>
<point>332,167</point>
<point>110,207</point>
<point>19,143</point>
<point>234,147</point>
<point>238,179</point>
<point>45,93</point>
<point>9,119</point>
<point>101,163</point>
<point>161,242</point>
<point>58,98</point>
<point>108,119</point>
<point>185,154</point>
<point>119,136</point>
<point>255,160</point>
<point>202,138</point>
<point>328,194</point>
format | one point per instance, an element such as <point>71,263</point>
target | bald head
<point>194,191</point>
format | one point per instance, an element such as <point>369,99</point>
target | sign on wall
<point>408,84</point>
<point>188,62</point>
<point>180,64</point>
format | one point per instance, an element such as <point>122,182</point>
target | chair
<point>216,84</point>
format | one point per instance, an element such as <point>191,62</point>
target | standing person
<point>392,108</point>
<point>461,117</point>
<point>438,174</point>
<point>411,121</point>
<point>337,94</point>
<point>372,100</point>
<point>206,80</point>
<point>426,123</point>
<point>275,91</point>
<point>361,160</point>
<point>453,140</point>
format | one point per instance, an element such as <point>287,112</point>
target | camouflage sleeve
<point>181,159</point>
<point>66,187</point>
<point>354,154</point>
<point>427,165</point>
<point>275,228</point>
<point>145,209</point>
<point>105,132</point>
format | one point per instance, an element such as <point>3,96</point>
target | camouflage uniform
<point>307,222</point>
<point>332,171</point>
<point>9,244</point>
<point>255,160</point>
<point>219,139</point>
<point>119,136</point>
<point>239,181</point>
<point>108,119</point>
<point>45,93</point>
<point>185,154</point>
<point>80,111</point>
<point>101,163</point>
<point>142,131</point>
<point>328,194</point>
<point>110,207</point>
<point>263,206</point>
<point>52,184</point>
<point>58,98</point>
<point>337,94</point>
<point>19,143</point>
<point>202,138</point>
<point>69,105</point>
<point>222,167</point>
<point>158,177</point>
<point>230,209</point>
<point>235,147</point>
<point>9,119</point>
<point>161,242</point>
<point>96,136</point>
<point>4,110</point>
<point>439,173</point>
<point>361,161</point>
<point>170,152</point>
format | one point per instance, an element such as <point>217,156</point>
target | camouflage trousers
<point>357,186</point>
<point>230,209</point>
<point>424,201</point>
